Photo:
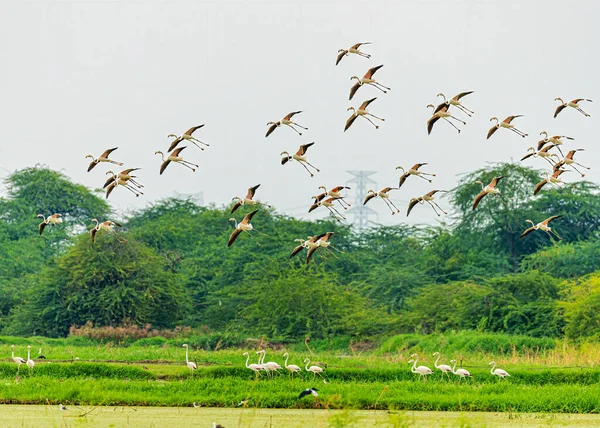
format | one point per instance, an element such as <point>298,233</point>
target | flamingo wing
<point>296,250</point>
<point>549,219</point>
<point>539,186</point>
<point>252,191</point>
<point>358,45</point>
<point>164,165</point>
<point>193,129</point>
<point>290,115</point>
<point>509,119</point>
<point>431,122</point>
<point>559,109</point>
<point>350,121</point>
<point>304,148</point>
<point>311,251</point>
<point>92,165</point>
<point>110,188</point>
<point>411,205</point>
<point>369,197</point>
<point>541,144</point>
<point>353,89</point>
<point>313,207</point>
<point>366,103</point>
<point>271,129</point>
<point>93,234</point>
<point>441,107</point>
<point>462,94</point>
<point>478,199</point>
<point>107,152</point>
<point>42,226</point>
<point>249,216</point>
<point>527,232</point>
<point>527,156</point>
<point>491,131</point>
<point>403,178</point>
<point>340,56</point>
<point>233,236</point>
<point>109,180</point>
<point>369,74</point>
<point>174,143</point>
<point>495,181</point>
<point>236,206</point>
<point>177,151</point>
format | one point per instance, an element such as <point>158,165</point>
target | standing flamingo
<point>498,372</point>
<point>291,367</point>
<point>191,365</point>
<point>316,370</point>
<point>17,360</point>
<point>462,373</point>
<point>424,371</point>
<point>444,368</point>
<point>30,363</point>
<point>256,368</point>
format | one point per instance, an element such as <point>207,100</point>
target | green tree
<point>581,306</point>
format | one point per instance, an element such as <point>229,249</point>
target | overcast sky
<point>82,76</point>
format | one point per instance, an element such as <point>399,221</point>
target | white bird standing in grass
<point>444,368</point>
<point>422,370</point>
<point>17,360</point>
<point>291,367</point>
<point>191,365</point>
<point>30,363</point>
<point>316,370</point>
<point>498,372</point>
<point>256,368</point>
<point>270,366</point>
<point>460,372</point>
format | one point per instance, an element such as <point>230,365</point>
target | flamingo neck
<point>247,359</point>
<point>307,363</point>
<point>186,355</point>
<point>438,358</point>
<point>454,368</point>
<point>286,360</point>
<point>493,368</point>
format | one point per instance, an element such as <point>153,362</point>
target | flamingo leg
<point>373,123</point>
<point>434,210</point>
<point>519,132</point>
<point>581,111</point>
<point>196,144</point>
<point>133,190</point>
<point>338,213</point>
<point>421,176</point>
<point>383,86</point>
<point>187,166</point>
<point>344,201</point>
<point>580,173</point>
<point>135,183</point>
<point>435,203</point>
<point>306,168</point>
<point>453,125</point>
<point>365,55</point>
<point>555,234</point>
<point>259,244</point>
<point>389,206</point>
<point>334,215</point>
<point>465,110</point>
<point>376,117</point>
<point>189,163</point>
<point>456,118</point>
<point>298,132</point>
<point>298,125</point>
<point>201,142</point>
<point>341,205</point>
<point>317,169</point>
<point>375,86</point>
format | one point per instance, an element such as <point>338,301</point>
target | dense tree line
<point>176,269</point>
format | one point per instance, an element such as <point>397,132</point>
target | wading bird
<point>543,225</point>
<point>190,364</point>
<point>336,193</point>
<point>427,197</point>
<point>108,226</point>
<point>174,157</point>
<point>256,368</point>
<point>124,175</point>
<point>552,178</point>
<point>441,113</point>
<point>51,220</point>
<point>461,373</point>
<point>367,79</point>
<point>309,391</point>
<point>328,203</point>
<point>455,101</point>
<point>292,368</point>
<point>321,242</point>
<point>569,161</point>
<point>506,123</point>
<point>287,120</point>
<point>444,368</point>
<point>248,199</point>
<point>300,157</point>
<point>490,189</point>
<point>61,407</point>
<point>40,355</point>
<point>116,180</point>
<point>194,404</point>
<point>383,194</point>
<point>544,153</point>
<point>555,139</point>
<point>30,363</point>
<point>414,170</point>
<point>187,135</point>
<point>424,371</point>
<point>354,49</point>
<point>498,372</point>
<point>17,360</point>
<point>308,243</point>
<point>315,370</point>
<point>102,158</point>
<point>362,111</point>
<point>270,366</point>
<point>242,226</point>
<point>574,104</point>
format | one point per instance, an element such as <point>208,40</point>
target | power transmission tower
<point>359,185</point>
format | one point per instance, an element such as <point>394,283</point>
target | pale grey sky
<point>81,76</point>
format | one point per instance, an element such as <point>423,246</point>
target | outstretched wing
<point>369,197</point>
<point>296,250</point>
<point>412,203</point>
<point>491,131</point>
<point>193,129</point>
<point>549,219</point>
<point>559,109</point>
<point>462,94</point>
<point>110,188</point>
<point>353,89</point>
<point>164,165</point>
<point>527,156</point>
<point>233,236</point>
<point>358,45</point>
<point>340,56</point>
<point>313,207</point>
<point>236,206</point>
<point>511,118</point>
<point>304,148</point>
<point>311,251</point>
<point>290,115</point>
<point>527,232</point>
<point>42,226</point>
<point>350,121</point>
<point>539,186</point>
<point>478,199</point>
<point>366,103</point>
<point>403,178</point>
<point>107,152</point>
<point>271,129</point>
<point>252,191</point>
<point>174,143</point>
<point>109,180</point>
<point>93,234</point>
<point>92,165</point>
<point>249,216</point>
<point>372,71</point>
<point>431,122</point>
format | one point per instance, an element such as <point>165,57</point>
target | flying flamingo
<point>427,197</point>
<point>107,226</point>
<point>174,157</point>
<point>462,373</point>
<point>336,192</point>
<point>115,181</point>
<point>574,104</point>
<point>30,363</point>
<point>424,371</point>
<point>248,199</point>
<point>256,368</point>
<point>52,220</point>
<point>569,161</point>
<point>414,170</point>
<point>444,368</point>
<point>102,158</point>
<point>361,111</point>
<point>354,49</point>
<point>441,113</point>
<point>316,370</point>
<point>498,372</point>
<point>322,241</point>
<point>292,368</point>
<point>190,364</point>
<point>242,226</point>
<point>506,123</point>
<point>300,157</point>
<point>543,225</point>
<point>187,135</point>
<point>123,175</point>
<point>383,194</point>
<point>367,79</point>
<point>330,205</point>
<point>544,153</point>
<point>309,243</point>
<point>490,189</point>
<point>555,139</point>
<point>17,360</point>
<point>287,120</point>
<point>552,178</point>
<point>455,101</point>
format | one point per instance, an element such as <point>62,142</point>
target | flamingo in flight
<point>362,112</point>
<point>102,158</point>
<point>427,197</point>
<point>544,153</point>
<point>300,157</point>
<point>354,49</point>
<point>506,123</point>
<point>573,103</point>
<point>287,121</point>
<point>441,112</point>
<point>187,135</point>
<point>490,189</point>
<point>118,180</point>
<point>242,226</point>
<point>555,139</point>
<point>309,243</point>
<point>552,178</point>
<point>569,161</point>
<point>328,203</point>
<point>50,220</point>
<point>455,101</point>
<point>367,79</point>
<point>543,225</point>
<point>174,156</point>
<point>247,200</point>
<point>414,170</point>
<point>383,194</point>
<point>108,226</point>
<point>336,193</point>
